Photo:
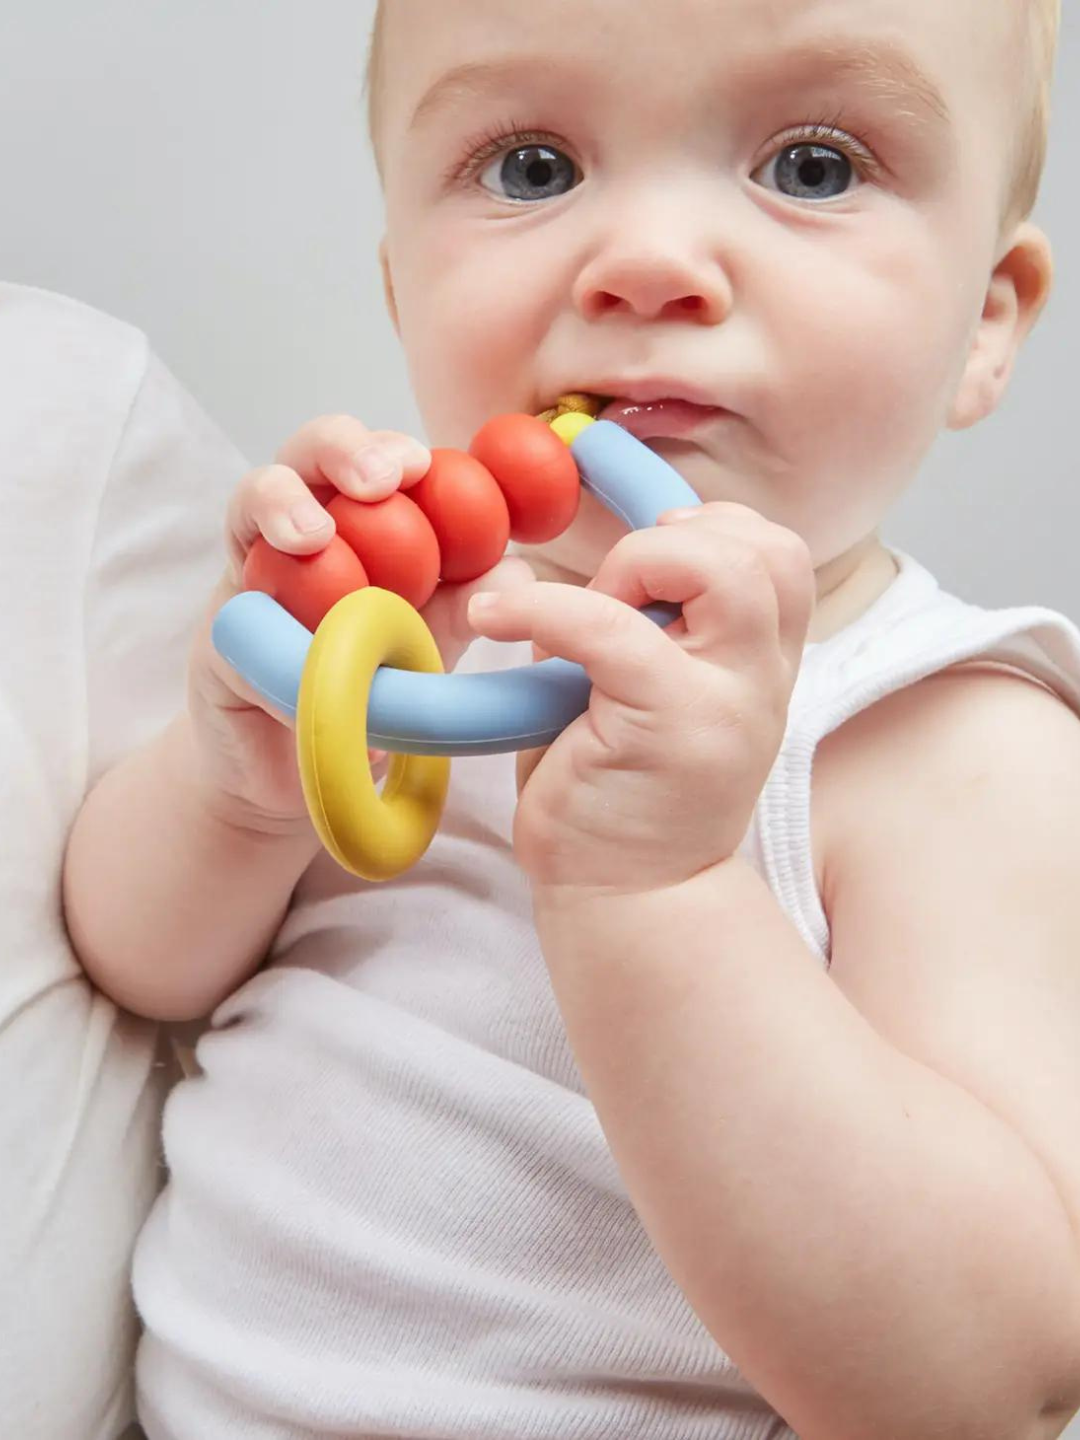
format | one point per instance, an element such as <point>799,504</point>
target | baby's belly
<point>377,1225</point>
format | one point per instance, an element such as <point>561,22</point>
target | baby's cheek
<point>468,340</point>
<point>876,365</point>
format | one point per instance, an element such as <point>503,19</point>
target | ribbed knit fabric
<point>392,1211</point>
<point>913,631</point>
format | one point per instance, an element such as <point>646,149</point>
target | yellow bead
<point>569,426</point>
<point>579,404</point>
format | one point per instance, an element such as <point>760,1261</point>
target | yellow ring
<point>373,836</point>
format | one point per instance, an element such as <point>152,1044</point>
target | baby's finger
<point>729,605</point>
<point>274,502</point>
<point>340,451</point>
<point>447,613</point>
<point>777,551</point>
<point>625,654</point>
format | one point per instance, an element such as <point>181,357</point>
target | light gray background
<point>199,167</point>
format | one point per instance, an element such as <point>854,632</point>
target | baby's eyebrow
<point>466,82</point>
<point>882,70</point>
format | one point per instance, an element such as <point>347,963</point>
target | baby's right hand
<point>247,751</point>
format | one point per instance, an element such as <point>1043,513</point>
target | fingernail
<point>414,453</point>
<point>684,514</point>
<point>308,516</point>
<point>374,465</point>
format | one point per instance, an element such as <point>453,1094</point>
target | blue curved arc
<point>412,714</point>
<point>485,714</point>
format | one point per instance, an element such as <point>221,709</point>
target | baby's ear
<point>1018,290</point>
<point>388,284</point>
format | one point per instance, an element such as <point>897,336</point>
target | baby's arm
<point>171,900</point>
<point>182,862</point>
<point>867,1182</point>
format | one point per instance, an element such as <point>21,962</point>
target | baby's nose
<point>652,287</point>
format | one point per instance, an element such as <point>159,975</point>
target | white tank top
<point>392,1211</point>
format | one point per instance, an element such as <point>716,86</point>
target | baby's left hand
<point>658,779</point>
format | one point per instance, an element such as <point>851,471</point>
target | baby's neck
<point>846,586</point>
<point>849,585</point>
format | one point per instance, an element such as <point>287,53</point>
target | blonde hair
<point>1043,21</point>
<point>1041,18</point>
<point>373,83</point>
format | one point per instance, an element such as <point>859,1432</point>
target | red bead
<point>307,586</point>
<point>536,473</point>
<point>467,512</point>
<point>395,543</point>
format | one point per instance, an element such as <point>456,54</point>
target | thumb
<point>447,613</point>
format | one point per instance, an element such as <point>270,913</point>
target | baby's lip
<point>643,391</point>
<point>649,409</point>
<point>666,418</point>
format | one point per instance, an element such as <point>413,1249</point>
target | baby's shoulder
<point>940,724</point>
<point>925,754</point>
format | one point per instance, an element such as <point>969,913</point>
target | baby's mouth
<point>661,418</point>
<point>576,404</point>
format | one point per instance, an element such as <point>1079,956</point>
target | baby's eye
<point>808,172</point>
<point>531,172</point>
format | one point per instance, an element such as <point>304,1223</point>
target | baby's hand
<point>335,454</point>
<point>247,751</point>
<point>658,779</point>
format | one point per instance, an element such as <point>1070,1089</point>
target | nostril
<point>604,302</point>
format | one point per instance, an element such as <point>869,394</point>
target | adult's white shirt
<point>113,486</point>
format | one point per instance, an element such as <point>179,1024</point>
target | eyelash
<point>515,136</point>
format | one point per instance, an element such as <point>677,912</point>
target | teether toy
<point>372,675</point>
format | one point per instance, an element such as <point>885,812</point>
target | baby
<point>670,1096</point>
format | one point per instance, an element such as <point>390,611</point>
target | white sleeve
<point>158,550</point>
<point>114,486</point>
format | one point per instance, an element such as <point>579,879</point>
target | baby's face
<point>788,209</point>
